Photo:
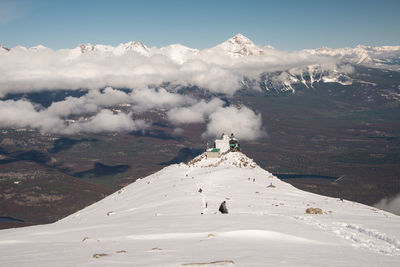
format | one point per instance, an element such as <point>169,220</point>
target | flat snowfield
<point>166,220</point>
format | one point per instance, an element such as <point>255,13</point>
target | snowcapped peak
<point>121,49</point>
<point>137,47</point>
<point>239,45</point>
<point>20,48</point>
<point>37,48</point>
<point>84,48</point>
<point>241,39</point>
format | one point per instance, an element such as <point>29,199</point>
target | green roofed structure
<point>223,145</point>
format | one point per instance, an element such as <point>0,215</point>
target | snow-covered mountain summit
<point>171,218</point>
<point>239,45</point>
<point>121,49</point>
<point>136,47</point>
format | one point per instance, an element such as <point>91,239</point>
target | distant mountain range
<point>263,67</point>
<point>239,46</point>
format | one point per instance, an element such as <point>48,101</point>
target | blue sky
<point>287,25</point>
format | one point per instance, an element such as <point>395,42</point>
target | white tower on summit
<point>223,143</point>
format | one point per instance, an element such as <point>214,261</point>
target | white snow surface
<point>163,220</point>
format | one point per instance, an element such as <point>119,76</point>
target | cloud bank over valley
<point>151,79</point>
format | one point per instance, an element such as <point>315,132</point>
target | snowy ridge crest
<point>240,45</point>
<point>230,159</point>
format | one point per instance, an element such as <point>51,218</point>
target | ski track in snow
<point>360,237</point>
<point>370,239</point>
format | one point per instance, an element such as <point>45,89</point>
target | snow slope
<point>163,220</point>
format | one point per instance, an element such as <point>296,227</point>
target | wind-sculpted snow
<point>166,220</point>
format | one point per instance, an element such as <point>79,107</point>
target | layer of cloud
<point>23,114</point>
<point>106,121</point>
<point>92,113</point>
<point>141,99</point>
<point>390,204</point>
<point>34,69</point>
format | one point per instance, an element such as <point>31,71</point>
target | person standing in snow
<point>222,208</point>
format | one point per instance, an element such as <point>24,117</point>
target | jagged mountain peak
<point>121,49</point>
<point>84,48</point>
<point>240,39</point>
<point>38,48</point>
<point>5,48</point>
<point>132,46</point>
<point>240,45</point>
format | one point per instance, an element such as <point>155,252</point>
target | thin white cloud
<point>106,121</point>
<point>146,98</point>
<point>23,114</point>
<point>243,122</point>
<point>140,99</point>
<point>196,113</point>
